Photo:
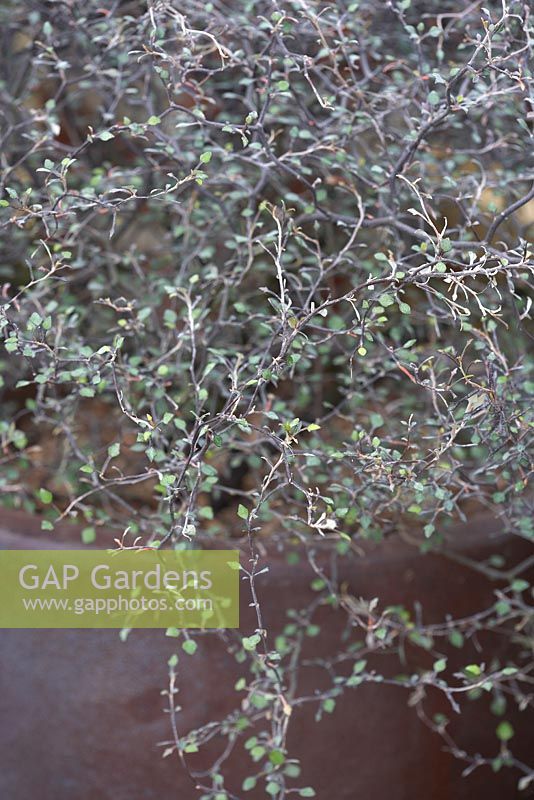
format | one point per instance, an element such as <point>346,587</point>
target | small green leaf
<point>251,642</point>
<point>153,120</point>
<point>509,671</point>
<point>276,757</point>
<point>88,535</point>
<point>205,158</point>
<point>504,731</point>
<point>45,496</point>
<point>283,86</point>
<point>190,647</point>
<point>242,511</point>
<point>114,450</point>
<point>34,320</point>
<point>433,98</point>
<point>307,792</point>
<point>473,670</point>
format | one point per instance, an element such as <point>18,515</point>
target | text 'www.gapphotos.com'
<point>117,605</point>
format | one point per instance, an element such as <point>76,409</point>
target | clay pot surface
<point>81,712</point>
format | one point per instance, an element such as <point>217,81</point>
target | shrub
<point>266,274</point>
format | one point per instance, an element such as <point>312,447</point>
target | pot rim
<point>20,530</point>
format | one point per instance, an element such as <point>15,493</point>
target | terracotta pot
<point>81,712</point>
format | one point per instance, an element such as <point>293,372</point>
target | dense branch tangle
<point>282,252</point>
